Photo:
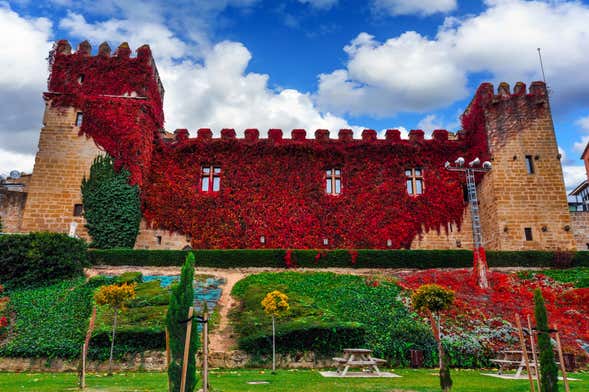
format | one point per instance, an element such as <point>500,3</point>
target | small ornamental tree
<point>115,297</point>
<point>181,300</point>
<point>275,304</point>
<point>548,368</point>
<point>111,206</point>
<point>433,299</point>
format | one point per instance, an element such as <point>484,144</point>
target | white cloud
<point>583,123</point>
<point>407,73</point>
<point>412,72</point>
<point>216,92</point>
<point>573,176</point>
<point>25,43</point>
<point>419,7</point>
<point>10,160</point>
<point>320,4</point>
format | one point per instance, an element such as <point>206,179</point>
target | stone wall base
<point>156,361</point>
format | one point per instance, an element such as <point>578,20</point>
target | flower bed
<point>493,310</point>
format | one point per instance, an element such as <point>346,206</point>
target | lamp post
<point>479,256</point>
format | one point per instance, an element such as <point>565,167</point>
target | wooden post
<point>83,374</point>
<point>205,349</point>
<point>534,357</point>
<point>186,350</point>
<point>561,358</point>
<point>273,345</point>
<point>85,347</point>
<point>167,347</point>
<point>524,351</point>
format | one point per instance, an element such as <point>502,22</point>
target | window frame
<point>331,179</point>
<point>78,210</point>
<point>79,119</point>
<point>528,234</point>
<point>211,173</point>
<point>530,169</point>
<point>412,178</point>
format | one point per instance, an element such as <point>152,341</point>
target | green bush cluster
<point>140,325</point>
<point>324,305</point>
<point>36,259</point>
<point>50,321</point>
<point>366,258</point>
<point>298,336</point>
<point>111,206</point>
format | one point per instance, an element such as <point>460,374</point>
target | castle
<point>330,191</point>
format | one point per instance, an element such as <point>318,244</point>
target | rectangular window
<point>79,118</point>
<point>530,164</point>
<point>333,182</point>
<point>78,210</point>
<point>414,181</point>
<point>528,233</point>
<point>210,179</point>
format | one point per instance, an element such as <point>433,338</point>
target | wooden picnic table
<point>509,359</point>
<point>357,358</point>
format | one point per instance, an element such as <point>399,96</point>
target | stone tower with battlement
<point>523,199</point>
<point>113,103</point>
<point>78,84</point>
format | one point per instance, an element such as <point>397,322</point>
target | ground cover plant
<point>421,380</point>
<point>579,276</point>
<point>49,321</point>
<point>329,312</point>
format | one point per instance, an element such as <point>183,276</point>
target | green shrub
<point>28,260</point>
<point>140,327</point>
<point>313,258</point>
<point>322,297</point>
<point>111,205</point>
<point>50,321</point>
<point>129,277</point>
<point>299,336</point>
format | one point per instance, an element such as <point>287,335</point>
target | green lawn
<point>284,380</point>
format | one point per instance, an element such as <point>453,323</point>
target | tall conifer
<point>548,368</point>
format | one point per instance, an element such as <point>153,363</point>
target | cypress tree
<point>548,368</point>
<point>181,300</point>
<point>111,206</point>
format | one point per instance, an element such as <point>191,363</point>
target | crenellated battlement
<point>252,135</point>
<point>537,92</point>
<point>103,74</point>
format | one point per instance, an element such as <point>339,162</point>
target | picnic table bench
<point>510,359</point>
<point>357,358</point>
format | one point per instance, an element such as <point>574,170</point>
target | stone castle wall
<point>63,159</point>
<point>580,228</point>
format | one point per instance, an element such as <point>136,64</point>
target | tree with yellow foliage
<point>114,296</point>
<point>275,304</point>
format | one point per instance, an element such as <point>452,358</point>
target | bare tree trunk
<point>112,343</point>
<point>273,345</point>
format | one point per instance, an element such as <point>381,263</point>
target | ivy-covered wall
<point>272,187</point>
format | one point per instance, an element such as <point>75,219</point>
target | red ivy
<point>567,307</point>
<point>269,188</point>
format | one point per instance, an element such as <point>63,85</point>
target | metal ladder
<point>471,187</point>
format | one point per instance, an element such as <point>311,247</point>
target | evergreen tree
<point>548,368</point>
<point>111,206</point>
<point>181,300</point>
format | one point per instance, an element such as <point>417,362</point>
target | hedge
<point>37,259</point>
<point>366,258</point>
<point>323,338</point>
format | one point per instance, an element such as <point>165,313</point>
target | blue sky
<point>310,64</point>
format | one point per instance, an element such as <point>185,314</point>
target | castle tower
<point>523,198</point>
<point>94,104</point>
